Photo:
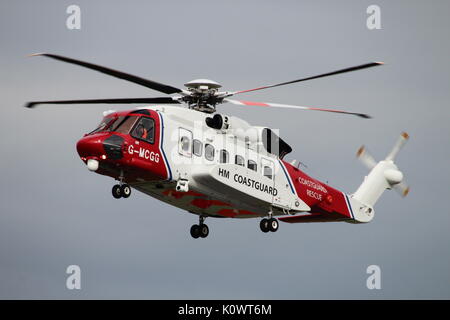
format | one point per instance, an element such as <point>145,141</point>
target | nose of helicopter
<point>92,149</point>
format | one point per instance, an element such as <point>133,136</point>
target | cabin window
<point>224,156</point>
<point>209,152</point>
<point>267,168</point>
<point>198,147</point>
<point>184,142</point>
<point>239,160</point>
<point>144,129</point>
<point>267,172</point>
<point>252,165</point>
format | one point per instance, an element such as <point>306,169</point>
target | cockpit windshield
<point>121,124</point>
<point>104,125</point>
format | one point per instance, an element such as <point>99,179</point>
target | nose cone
<point>101,147</point>
<point>90,147</point>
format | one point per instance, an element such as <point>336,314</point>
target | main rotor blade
<point>164,100</point>
<point>277,105</point>
<point>363,66</point>
<point>118,74</point>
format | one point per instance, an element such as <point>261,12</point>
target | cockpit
<point>140,127</point>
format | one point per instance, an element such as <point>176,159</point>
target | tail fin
<point>383,175</point>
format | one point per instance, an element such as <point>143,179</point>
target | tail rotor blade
<point>366,158</point>
<point>400,143</point>
<point>402,188</point>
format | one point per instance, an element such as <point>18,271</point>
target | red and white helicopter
<point>219,165</point>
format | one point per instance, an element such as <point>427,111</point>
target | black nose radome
<point>113,147</point>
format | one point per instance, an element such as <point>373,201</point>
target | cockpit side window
<point>144,130</point>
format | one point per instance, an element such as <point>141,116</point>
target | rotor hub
<point>203,95</point>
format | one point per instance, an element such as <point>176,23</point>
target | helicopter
<point>219,166</point>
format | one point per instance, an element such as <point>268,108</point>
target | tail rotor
<point>383,175</point>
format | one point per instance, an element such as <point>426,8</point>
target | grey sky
<point>54,212</point>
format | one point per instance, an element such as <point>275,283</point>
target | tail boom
<point>334,205</point>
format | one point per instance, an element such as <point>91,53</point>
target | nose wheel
<point>121,191</point>
<point>200,230</point>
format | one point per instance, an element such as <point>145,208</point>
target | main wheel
<point>264,225</point>
<point>116,191</point>
<point>195,231</point>
<point>204,230</point>
<point>273,224</point>
<point>125,190</point>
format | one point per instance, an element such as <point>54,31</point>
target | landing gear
<point>200,230</point>
<point>121,191</point>
<point>270,224</point>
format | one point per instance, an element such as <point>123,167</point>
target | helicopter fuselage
<point>224,171</point>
